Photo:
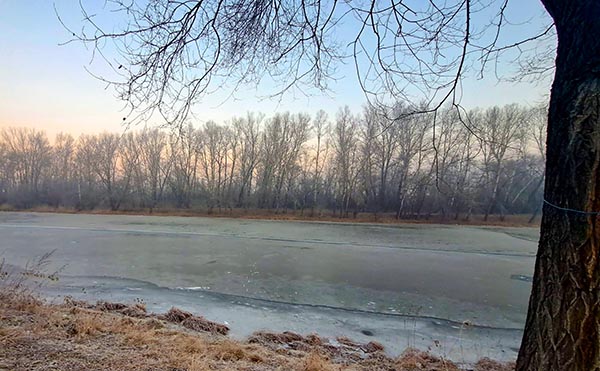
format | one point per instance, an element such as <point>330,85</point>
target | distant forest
<point>452,165</point>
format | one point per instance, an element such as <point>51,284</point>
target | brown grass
<point>486,364</point>
<point>109,336</point>
<point>138,310</point>
<point>39,336</point>
<point>413,359</point>
<point>296,215</point>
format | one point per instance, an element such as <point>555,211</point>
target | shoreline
<point>286,328</point>
<point>37,335</point>
<point>463,340</point>
<point>514,221</point>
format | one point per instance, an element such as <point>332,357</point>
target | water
<point>435,276</point>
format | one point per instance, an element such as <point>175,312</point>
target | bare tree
<point>499,137</point>
<point>346,149</point>
<point>321,128</point>
<point>105,157</point>
<point>28,153</point>
<point>5,173</point>
<point>282,141</point>
<point>247,133</point>
<point>454,157</point>
<point>87,183</point>
<point>62,177</point>
<point>183,181</point>
<point>368,133</point>
<point>537,134</point>
<point>297,164</point>
<point>132,169</point>
<point>413,153</point>
<point>214,160</point>
<point>156,163</point>
<point>563,323</point>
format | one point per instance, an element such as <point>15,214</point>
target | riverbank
<point>352,284</point>
<point>35,335</point>
<point>301,215</point>
<point>402,286</point>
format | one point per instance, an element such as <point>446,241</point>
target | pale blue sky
<point>44,85</point>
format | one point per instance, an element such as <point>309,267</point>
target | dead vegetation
<point>38,336</point>
<point>76,335</point>
<point>518,220</point>
<point>138,310</point>
<point>196,323</point>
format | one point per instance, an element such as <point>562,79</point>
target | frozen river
<point>406,285</point>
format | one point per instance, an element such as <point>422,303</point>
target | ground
<point>518,220</point>
<point>77,336</point>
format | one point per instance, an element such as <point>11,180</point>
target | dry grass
<point>64,337</point>
<point>138,310</point>
<point>413,359</point>
<point>76,335</point>
<point>486,364</point>
<point>295,215</point>
<point>39,336</point>
<point>196,323</point>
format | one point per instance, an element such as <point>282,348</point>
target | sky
<point>45,85</point>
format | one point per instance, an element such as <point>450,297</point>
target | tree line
<point>454,164</point>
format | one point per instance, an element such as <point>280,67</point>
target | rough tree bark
<point>562,331</point>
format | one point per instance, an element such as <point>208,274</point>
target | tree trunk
<point>535,214</point>
<point>562,331</point>
<point>494,199</point>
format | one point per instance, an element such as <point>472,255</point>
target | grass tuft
<point>75,335</point>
